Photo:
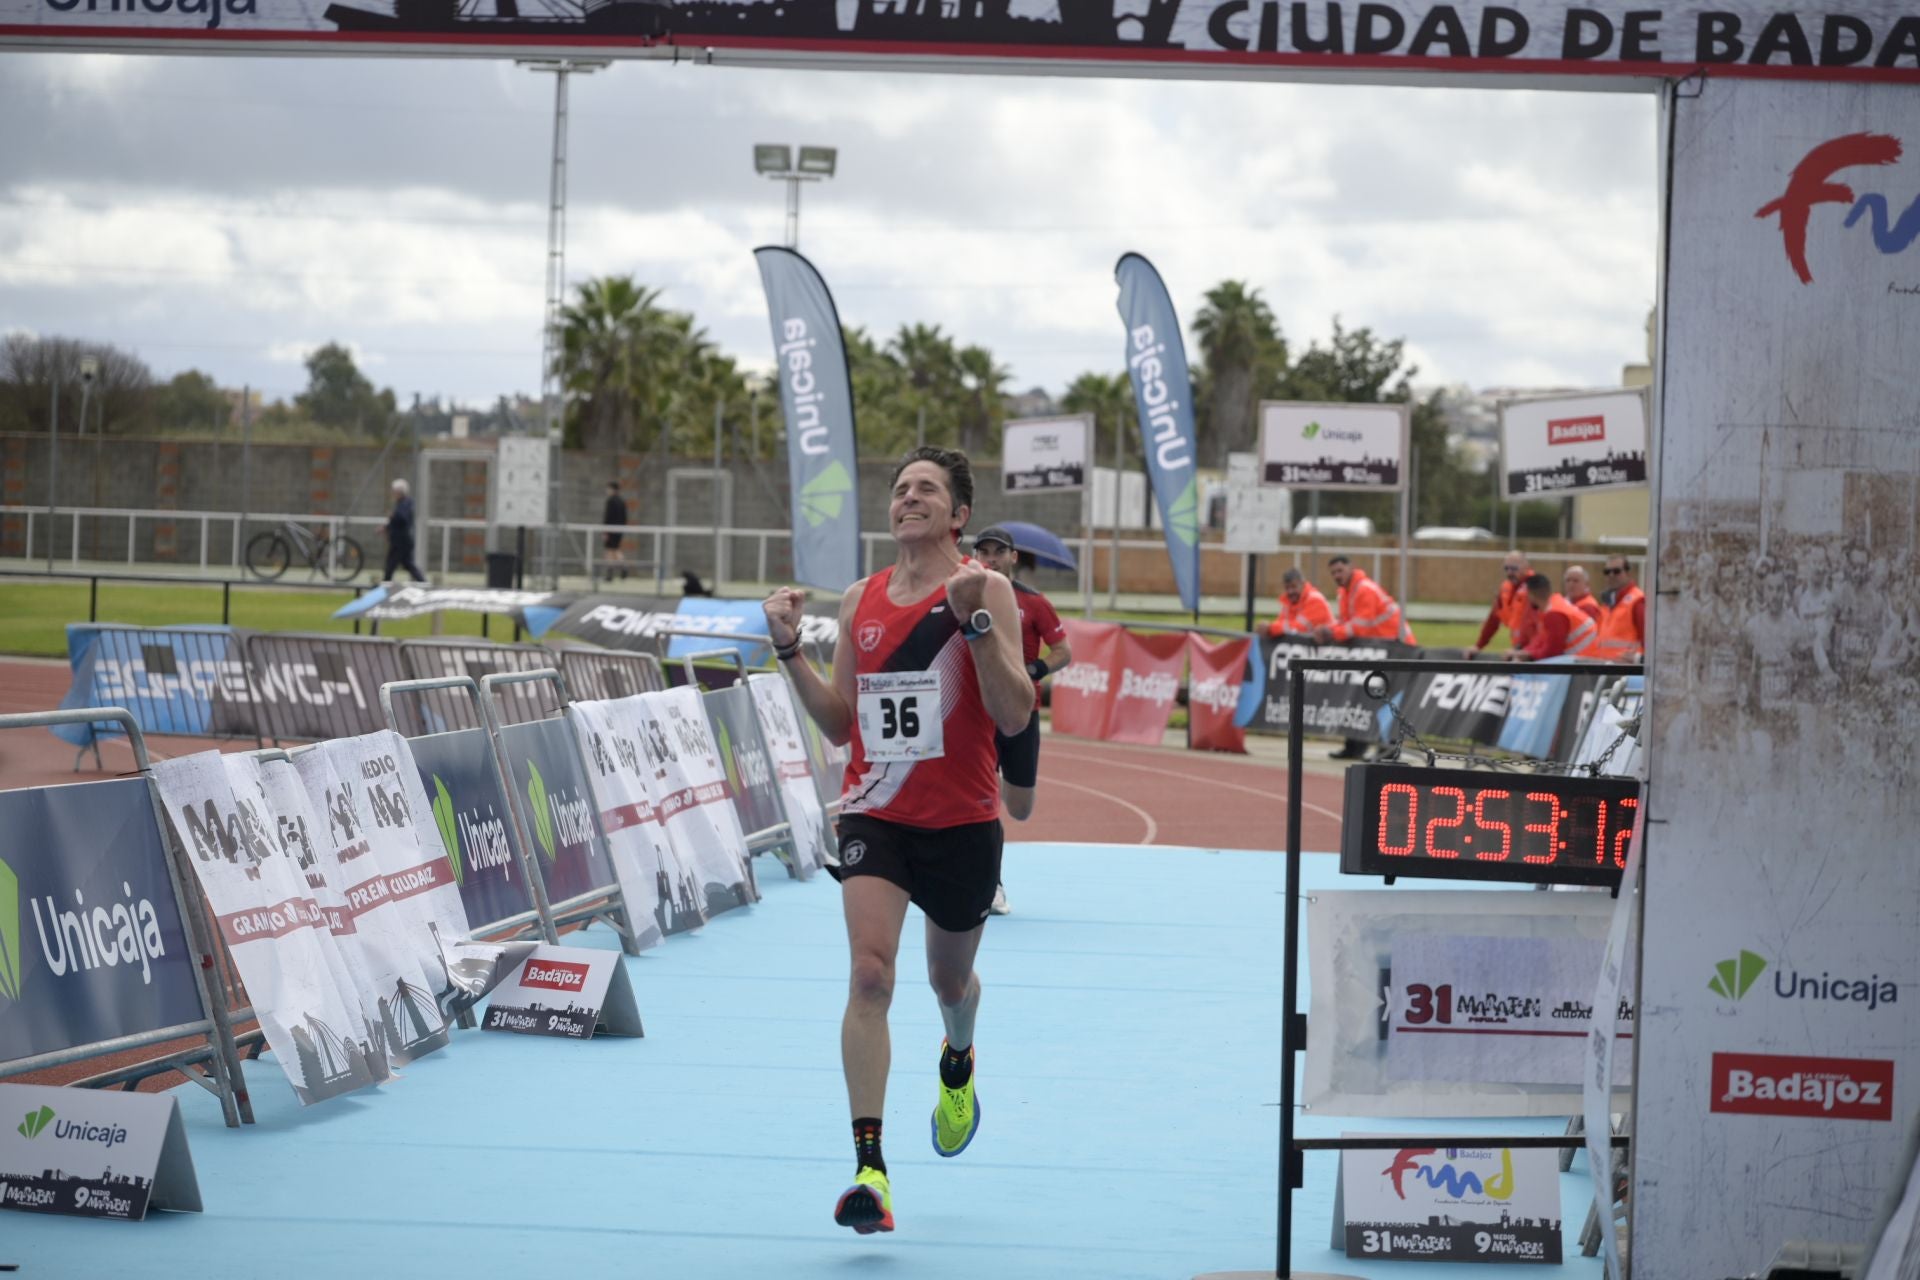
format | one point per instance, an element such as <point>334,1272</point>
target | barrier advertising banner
<point>1453,1002</point>
<point>690,789</point>
<point>816,398</point>
<point>744,757</point>
<point>1574,444</point>
<point>1145,684</point>
<point>1163,397</point>
<point>1334,446</point>
<point>1576,47</point>
<point>91,942</point>
<point>1779,939</point>
<point>368,923</point>
<point>297,688</point>
<point>658,886</point>
<point>558,803</point>
<point>1337,703</point>
<point>636,626</point>
<point>475,823</point>
<point>1083,693</point>
<point>1450,1204</point>
<point>1213,693</point>
<point>409,866</point>
<point>570,992</point>
<point>780,727</point>
<point>1046,455</point>
<point>168,677</point>
<point>277,934</point>
<point>93,1153</point>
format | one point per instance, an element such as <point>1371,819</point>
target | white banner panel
<point>1378,959</point>
<point>689,786</point>
<point>780,726</point>
<point>1333,446</point>
<point>1565,444</point>
<point>276,932</point>
<point>657,884</point>
<point>520,472</point>
<point>93,1153</point>
<point>1046,455</point>
<point>1781,940</point>
<point>1451,1204</point>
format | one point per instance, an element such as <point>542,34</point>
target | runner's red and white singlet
<point>891,643</point>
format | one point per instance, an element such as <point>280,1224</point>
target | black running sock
<point>866,1144</point>
<point>956,1067</point>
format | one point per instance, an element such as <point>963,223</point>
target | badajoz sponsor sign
<point>93,1153</point>
<point>1566,444</point>
<point>91,944</point>
<point>1771,1084</point>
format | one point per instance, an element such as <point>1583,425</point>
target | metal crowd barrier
<point>430,659</point>
<point>214,1064</point>
<point>190,681</point>
<point>766,838</point>
<point>313,687</point>
<point>602,902</point>
<point>540,913</point>
<point>601,675</point>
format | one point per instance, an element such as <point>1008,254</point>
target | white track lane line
<point>1153,828</point>
<point>1192,777</point>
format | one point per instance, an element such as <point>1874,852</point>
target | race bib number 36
<point>900,715</point>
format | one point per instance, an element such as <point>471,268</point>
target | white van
<point>1335,526</point>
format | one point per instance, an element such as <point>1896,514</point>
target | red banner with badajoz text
<point>1213,693</point>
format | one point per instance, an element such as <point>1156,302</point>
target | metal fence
<point>517,702</point>
<point>596,675</point>
<point>311,687</point>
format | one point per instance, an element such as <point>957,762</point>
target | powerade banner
<point>391,603</point>
<point>1336,703</point>
<point>277,933</point>
<point>1157,364</point>
<point>816,396</point>
<point>91,943</point>
<point>475,823</point>
<point>558,803</point>
<point>1575,46</point>
<point>1533,715</point>
<point>636,625</point>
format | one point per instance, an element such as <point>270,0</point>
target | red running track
<point>1089,793</point>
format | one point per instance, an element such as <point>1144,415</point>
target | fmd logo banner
<point>91,944</point>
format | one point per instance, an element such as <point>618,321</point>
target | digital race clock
<point>1404,820</point>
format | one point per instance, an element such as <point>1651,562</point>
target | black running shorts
<point>950,872</point>
<point>1020,754</point>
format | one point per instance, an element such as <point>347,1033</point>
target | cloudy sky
<point>228,214</point>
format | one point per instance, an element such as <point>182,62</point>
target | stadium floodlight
<point>774,160</point>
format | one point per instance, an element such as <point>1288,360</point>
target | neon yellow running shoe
<point>956,1115</point>
<point>867,1205</point>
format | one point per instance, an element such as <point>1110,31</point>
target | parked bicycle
<point>270,554</point>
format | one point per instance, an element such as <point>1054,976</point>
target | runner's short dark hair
<point>952,461</point>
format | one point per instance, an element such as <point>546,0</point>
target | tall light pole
<point>775,160</point>
<point>551,390</point>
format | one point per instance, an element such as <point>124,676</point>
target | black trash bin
<point>501,566</point>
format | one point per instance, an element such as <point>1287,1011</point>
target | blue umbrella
<point>1044,545</point>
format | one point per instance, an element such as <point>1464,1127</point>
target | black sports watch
<point>977,624</point>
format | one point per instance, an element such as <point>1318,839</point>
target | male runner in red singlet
<point>926,668</point>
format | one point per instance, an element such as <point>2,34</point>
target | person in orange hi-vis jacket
<point>1559,629</point>
<point>1366,613</point>
<point>1302,608</point>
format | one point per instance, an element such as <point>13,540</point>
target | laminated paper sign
<point>93,1153</point>
<point>1434,1203</point>
<point>569,992</point>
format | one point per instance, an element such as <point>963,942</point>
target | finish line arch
<point>1785,649</point>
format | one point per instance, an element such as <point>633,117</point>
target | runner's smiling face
<point>922,509</point>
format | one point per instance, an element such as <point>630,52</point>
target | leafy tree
<point>983,409</point>
<point>191,400</point>
<point>1109,398</point>
<point>339,395</point>
<point>1241,347</point>
<point>1356,367</point>
<point>31,366</point>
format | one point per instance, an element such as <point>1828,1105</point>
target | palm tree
<point>1109,398</point>
<point>1239,343</point>
<point>986,385</point>
<point>616,343</point>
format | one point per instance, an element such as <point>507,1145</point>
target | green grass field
<point>34,616</point>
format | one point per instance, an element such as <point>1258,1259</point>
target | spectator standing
<point>1623,632</point>
<point>1578,590</point>
<point>1559,629</point>
<point>400,535</point>
<point>1511,607</point>
<point>615,514</point>
<point>1302,608</point>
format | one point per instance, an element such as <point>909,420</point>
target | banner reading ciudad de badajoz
<point>1157,365</point>
<point>816,397</point>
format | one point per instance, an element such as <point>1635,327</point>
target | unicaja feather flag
<point>816,396</point>
<point>1157,364</point>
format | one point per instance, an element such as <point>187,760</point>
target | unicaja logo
<point>443,818</point>
<point>542,820</point>
<point>10,975</point>
<point>1732,979</point>
<point>1309,431</point>
<point>34,1122</point>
